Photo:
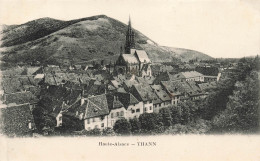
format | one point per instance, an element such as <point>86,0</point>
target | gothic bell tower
<point>130,38</point>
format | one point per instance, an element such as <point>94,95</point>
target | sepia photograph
<point>145,76</point>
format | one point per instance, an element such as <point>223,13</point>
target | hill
<point>50,41</point>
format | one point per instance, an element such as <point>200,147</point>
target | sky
<point>219,28</point>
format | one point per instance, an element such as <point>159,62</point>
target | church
<point>131,60</point>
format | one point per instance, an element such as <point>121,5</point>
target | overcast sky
<point>219,28</point>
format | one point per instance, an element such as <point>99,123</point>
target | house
<point>189,76</point>
<point>181,91</point>
<point>174,93</point>
<point>95,112</point>
<point>145,94</point>
<point>197,93</point>
<point>17,120</point>
<point>69,100</point>
<point>163,96</point>
<point>133,106</point>
<point>116,109</point>
<point>164,76</point>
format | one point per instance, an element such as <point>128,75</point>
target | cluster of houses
<point>98,97</point>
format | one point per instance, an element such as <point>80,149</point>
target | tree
<point>135,126</point>
<point>175,114</point>
<point>188,111</point>
<point>166,116</point>
<point>241,114</point>
<point>151,123</point>
<point>122,127</point>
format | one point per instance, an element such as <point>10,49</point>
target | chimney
<point>82,101</point>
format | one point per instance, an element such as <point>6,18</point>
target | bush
<point>108,132</point>
<point>93,132</point>
<point>135,126</point>
<point>122,127</point>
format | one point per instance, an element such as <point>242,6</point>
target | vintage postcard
<point>129,80</point>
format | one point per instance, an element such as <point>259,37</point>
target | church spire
<point>130,42</point>
<point>129,22</point>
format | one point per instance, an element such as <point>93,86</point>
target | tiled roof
<point>126,99</point>
<point>130,58</point>
<point>164,76</point>
<point>122,90</point>
<point>113,101</point>
<point>142,56</point>
<point>51,68</point>
<point>171,87</point>
<point>190,74</point>
<point>96,106</point>
<point>130,83</point>
<point>162,94</point>
<point>208,86</point>
<point>25,81</point>
<point>73,96</point>
<point>194,86</point>
<point>95,89</point>
<point>178,87</point>
<point>72,77</point>
<point>60,78</point>
<point>20,98</point>
<point>84,78</point>
<point>11,85</point>
<point>32,70</point>
<point>115,83</point>
<point>16,119</point>
<point>143,92</point>
<point>49,79</point>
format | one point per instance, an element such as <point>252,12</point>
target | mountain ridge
<point>49,40</point>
